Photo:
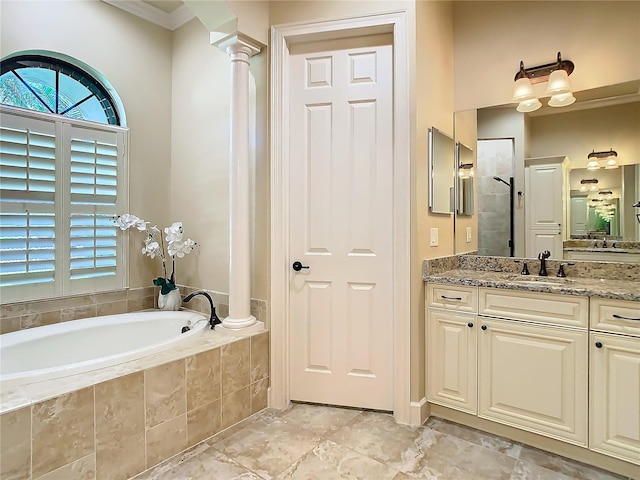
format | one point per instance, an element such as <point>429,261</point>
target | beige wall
<point>576,134</point>
<point>466,132</point>
<point>601,38</point>
<point>199,177</point>
<point>134,56</point>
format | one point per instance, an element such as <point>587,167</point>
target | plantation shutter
<point>28,194</point>
<point>95,158</point>
<point>61,186</point>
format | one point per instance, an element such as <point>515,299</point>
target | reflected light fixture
<point>588,184</point>
<point>465,170</point>
<point>607,160</point>
<point>558,88</point>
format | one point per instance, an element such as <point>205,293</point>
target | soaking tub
<point>79,346</point>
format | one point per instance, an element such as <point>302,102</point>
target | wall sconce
<point>465,170</point>
<point>588,184</point>
<point>605,194</point>
<point>607,160</point>
<point>557,74</point>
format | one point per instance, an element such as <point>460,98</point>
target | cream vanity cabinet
<point>452,327</point>
<point>524,360</point>
<point>615,378</point>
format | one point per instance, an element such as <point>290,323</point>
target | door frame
<point>281,37</point>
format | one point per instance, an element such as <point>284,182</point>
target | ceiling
<point>167,6</point>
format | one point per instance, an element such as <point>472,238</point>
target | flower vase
<point>170,301</point>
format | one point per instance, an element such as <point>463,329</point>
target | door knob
<point>297,266</point>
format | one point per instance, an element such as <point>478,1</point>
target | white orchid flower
<point>126,221</point>
<point>174,232</point>
<point>152,248</point>
<point>180,249</point>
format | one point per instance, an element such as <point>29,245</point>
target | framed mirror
<point>441,172</point>
<point>466,171</point>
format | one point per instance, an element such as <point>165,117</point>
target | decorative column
<point>240,49</point>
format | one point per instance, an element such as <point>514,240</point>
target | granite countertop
<point>600,249</point>
<point>590,287</point>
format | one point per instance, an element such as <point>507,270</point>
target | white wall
<point>135,56</point>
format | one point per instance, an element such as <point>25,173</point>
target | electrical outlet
<point>468,234</point>
<point>434,237</point>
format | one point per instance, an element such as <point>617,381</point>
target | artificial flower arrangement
<point>154,246</point>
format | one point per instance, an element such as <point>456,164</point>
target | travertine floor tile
<point>330,461</point>
<point>309,442</point>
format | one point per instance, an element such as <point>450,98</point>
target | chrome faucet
<point>213,319</point>
<point>542,256</point>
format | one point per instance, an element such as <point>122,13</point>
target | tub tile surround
<point>597,279</point>
<point>116,422</point>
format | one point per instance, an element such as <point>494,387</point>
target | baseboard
<point>419,412</point>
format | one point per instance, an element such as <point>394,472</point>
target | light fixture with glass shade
<point>559,89</point>
<point>607,159</point>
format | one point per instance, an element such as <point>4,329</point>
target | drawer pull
<point>483,327</point>
<point>470,324</point>
<point>451,298</point>
<point>626,318</point>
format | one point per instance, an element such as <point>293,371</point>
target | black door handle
<point>297,266</point>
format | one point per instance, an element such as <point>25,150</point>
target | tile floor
<point>310,442</point>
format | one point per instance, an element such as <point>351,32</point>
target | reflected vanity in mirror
<point>466,171</point>
<point>441,172</point>
<point>607,118</point>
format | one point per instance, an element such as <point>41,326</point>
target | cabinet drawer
<point>452,297</point>
<point>547,308</point>
<point>617,316</point>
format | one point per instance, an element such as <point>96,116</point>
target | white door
<point>341,201</point>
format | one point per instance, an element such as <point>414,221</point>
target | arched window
<point>52,85</point>
<point>63,161</point>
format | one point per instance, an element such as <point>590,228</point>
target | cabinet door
<point>451,359</point>
<point>615,396</point>
<point>534,377</point>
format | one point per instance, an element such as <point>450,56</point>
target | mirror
<point>466,171</point>
<point>441,172</point>
<point>601,119</point>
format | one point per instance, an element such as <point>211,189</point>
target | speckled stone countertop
<point>593,279</point>
<point>614,246</point>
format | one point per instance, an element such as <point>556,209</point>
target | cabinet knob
<point>598,344</point>
<point>470,324</point>
<point>483,327</point>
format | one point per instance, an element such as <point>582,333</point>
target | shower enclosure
<point>494,174</point>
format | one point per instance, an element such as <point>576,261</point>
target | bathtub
<point>79,346</point>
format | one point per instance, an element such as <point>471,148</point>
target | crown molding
<point>170,21</point>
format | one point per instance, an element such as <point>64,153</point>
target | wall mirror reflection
<point>466,172</point>
<point>441,172</point>
<point>559,141</point>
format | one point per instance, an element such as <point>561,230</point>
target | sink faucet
<point>604,242</point>
<point>213,319</point>
<point>542,256</point>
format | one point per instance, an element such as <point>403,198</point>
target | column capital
<point>239,42</point>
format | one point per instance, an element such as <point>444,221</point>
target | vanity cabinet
<point>451,346</point>
<point>534,377</point>
<point>517,358</point>
<point>614,345</point>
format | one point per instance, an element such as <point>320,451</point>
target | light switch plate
<point>468,234</point>
<point>434,237</point>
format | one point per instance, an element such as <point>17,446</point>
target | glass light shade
<point>558,83</point>
<point>583,188</point>
<point>593,165</point>
<point>523,90</point>
<point>529,105</point>
<point>593,188</point>
<point>562,100</point>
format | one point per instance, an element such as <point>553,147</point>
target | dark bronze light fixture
<point>559,89</point>
<point>607,159</point>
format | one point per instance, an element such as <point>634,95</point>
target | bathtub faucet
<point>213,319</point>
